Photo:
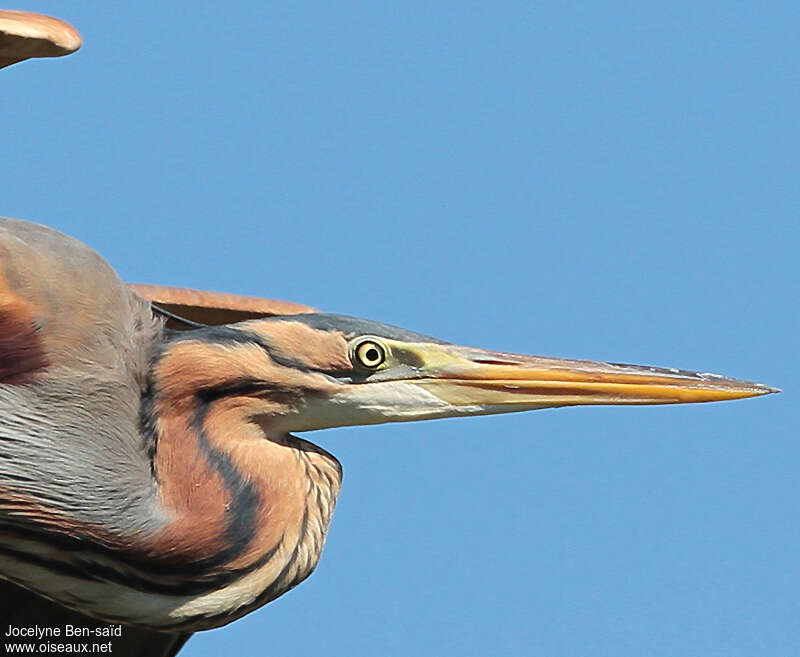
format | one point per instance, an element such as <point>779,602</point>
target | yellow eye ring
<point>369,354</point>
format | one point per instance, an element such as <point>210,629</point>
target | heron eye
<point>370,354</point>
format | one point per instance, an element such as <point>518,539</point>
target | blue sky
<point>598,180</point>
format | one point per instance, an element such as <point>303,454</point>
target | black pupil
<point>372,355</point>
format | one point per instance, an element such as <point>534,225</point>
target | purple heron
<point>149,475</point>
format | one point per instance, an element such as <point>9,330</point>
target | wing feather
<point>214,308</point>
<point>25,35</point>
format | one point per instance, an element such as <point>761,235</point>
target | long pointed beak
<point>502,382</point>
<point>426,380</point>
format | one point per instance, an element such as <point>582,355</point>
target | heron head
<point>316,371</point>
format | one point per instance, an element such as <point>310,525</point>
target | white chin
<point>378,403</point>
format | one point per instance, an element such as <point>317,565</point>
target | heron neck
<point>237,499</point>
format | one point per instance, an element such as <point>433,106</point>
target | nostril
<point>491,361</point>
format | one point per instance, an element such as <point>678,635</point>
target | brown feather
<point>320,350</point>
<point>21,350</point>
<point>278,467</point>
<point>191,492</point>
<point>24,35</point>
<point>214,308</point>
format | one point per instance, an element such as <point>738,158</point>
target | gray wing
<point>74,346</point>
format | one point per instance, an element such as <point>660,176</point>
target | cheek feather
<point>319,350</point>
<point>187,368</point>
<point>191,368</point>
